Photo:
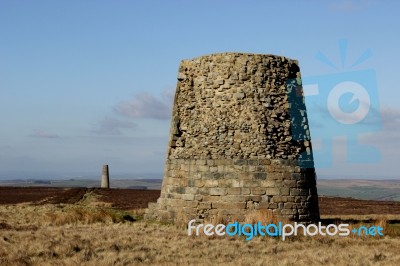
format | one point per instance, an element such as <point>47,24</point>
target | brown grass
<point>263,216</point>
<point>80,235</point>
<point>84,216</point>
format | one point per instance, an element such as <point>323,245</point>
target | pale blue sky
<point>84,83</point>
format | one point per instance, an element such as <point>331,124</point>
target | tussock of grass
<point>83,215</point>
<point>56,215</point>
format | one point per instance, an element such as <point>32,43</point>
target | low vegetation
<point>91,235</point>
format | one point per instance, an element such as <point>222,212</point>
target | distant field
<point>115,183</point>
<point>127,199</point>
<point>360,189</point>
<point>354,188</point>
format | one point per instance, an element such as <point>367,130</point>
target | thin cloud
<point>146,105</point>
<point>390,118</point>
<point>43,134</point>
<point>319,115</point>
<point>387,138</point>
<point>113,126</point>
<point>168,96</point>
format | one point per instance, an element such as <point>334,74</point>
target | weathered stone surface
<point>239,141</point>
<point>218,191</point>
<point>258,191</point>
<point>234,191</point>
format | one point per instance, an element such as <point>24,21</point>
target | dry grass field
<point>91,232</point>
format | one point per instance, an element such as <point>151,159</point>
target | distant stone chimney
<point>105,178</point>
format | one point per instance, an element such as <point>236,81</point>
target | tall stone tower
<point>239,141</point>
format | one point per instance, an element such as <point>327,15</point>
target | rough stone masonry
<point>239,141</point>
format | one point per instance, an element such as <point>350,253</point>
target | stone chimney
<point>239,141</point>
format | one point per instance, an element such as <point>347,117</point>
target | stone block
<point>185,167</point>
<point>234,191</point>
<point>289,205</point>
<point>216,175</point>
<point>225,183</point>
<point>177,189</point>
<point>240,162</point>
<point>252,162</point>
<point>193,168</point>
<point>204,168</point>
<point>304,217</point>
<point>230,169</point>
<point>201,162</point>
<point>201,183</point>
<point>213,169</point>
<point>256,198</point>
<point>189,210</point>
<point>275,176</point>
<point>272,205</point>
<point>211,183</point>
<point>263,205</point>
<point>289,211</point>
<point>299,199</point>
<point>250,183</point>
<point>236,183</point>
<point>231,176</point>
<point>191,190</point>
<point>234,198</point>
<point>298,192</point>
<point>268,183</point>
<point>258,191</point>
<point>260,169</point>
<point>191,183</point>
<point>264,162</point>
<point>272,191</point>
<point>252,168</point>
<point>211,198</point>
<point>284,191</point>
<point>294,192</point>
<point>245,176</point>
<point>218,191</point>
<point>211,163</point>
<point>260,176</point>
<point>191,203</point>
<point>198,197</point>
<point>196,175</point>
<point>187,196</point>
<point>290,183</point>
<point>228,205</point>
<point>245,191</point>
